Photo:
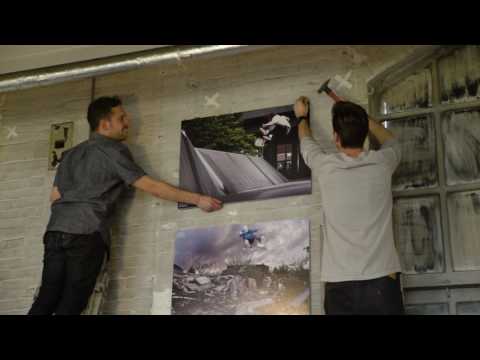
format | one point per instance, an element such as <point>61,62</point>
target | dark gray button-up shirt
<point>90,179</point>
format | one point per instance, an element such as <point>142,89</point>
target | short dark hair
<point>350,122</point>
<point>100,108</point>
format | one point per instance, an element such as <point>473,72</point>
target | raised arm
<point>167,192</point>
<point>302,109</point>
<point>381,134</point>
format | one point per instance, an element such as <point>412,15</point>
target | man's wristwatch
<point>301,118</point>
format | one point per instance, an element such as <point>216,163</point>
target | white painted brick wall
<point>25,182</point>
<point>159,98</point>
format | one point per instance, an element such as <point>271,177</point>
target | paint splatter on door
<point>459,74</point>
<point>418,235</point>
<point>461,136</point>
<point>418,168</point>
<point>415,92</point>
<point>464,214</point>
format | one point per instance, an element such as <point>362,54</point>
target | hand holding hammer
<point>302,105</point>
<point>325,88</point>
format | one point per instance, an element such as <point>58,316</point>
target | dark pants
<point>381,296</point>
<point>71,265</point>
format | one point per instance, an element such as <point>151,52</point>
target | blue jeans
<point>71,265</point>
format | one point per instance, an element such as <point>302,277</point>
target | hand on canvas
<point>209,204</point>
<point>302,107</point>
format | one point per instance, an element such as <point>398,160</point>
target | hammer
<point>326,89</point>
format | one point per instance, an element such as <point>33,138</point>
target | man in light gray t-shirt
<point>360,264</point>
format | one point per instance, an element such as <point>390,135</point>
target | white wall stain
<point>169,226</point>
<point>161,302</point>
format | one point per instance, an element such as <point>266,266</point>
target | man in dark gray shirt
<point>89,181</point>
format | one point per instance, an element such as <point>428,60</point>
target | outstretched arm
<point>167,192</point>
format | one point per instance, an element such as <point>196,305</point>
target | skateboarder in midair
<point>249,236</point>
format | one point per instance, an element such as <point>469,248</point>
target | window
<point>432,104</point>
<point>427,309</point>
<point>443,301</point>
<point>284,157</point>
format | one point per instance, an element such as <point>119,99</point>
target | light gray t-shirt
<point>357,210</point>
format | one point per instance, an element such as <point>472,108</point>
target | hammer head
<point>325,88</point>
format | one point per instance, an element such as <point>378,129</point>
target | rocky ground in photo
<point>241,290</point>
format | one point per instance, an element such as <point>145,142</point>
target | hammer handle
<point>334,96</point>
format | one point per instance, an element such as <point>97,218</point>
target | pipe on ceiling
<point>83,70</point>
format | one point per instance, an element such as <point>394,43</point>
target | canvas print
<point>256,269</point>
<point>61,139</point>
<point>253,155</point>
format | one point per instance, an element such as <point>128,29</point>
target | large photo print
<point>246,156</point>
<point>259,269</point>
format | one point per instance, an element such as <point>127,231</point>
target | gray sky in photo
<point>285,243</point>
